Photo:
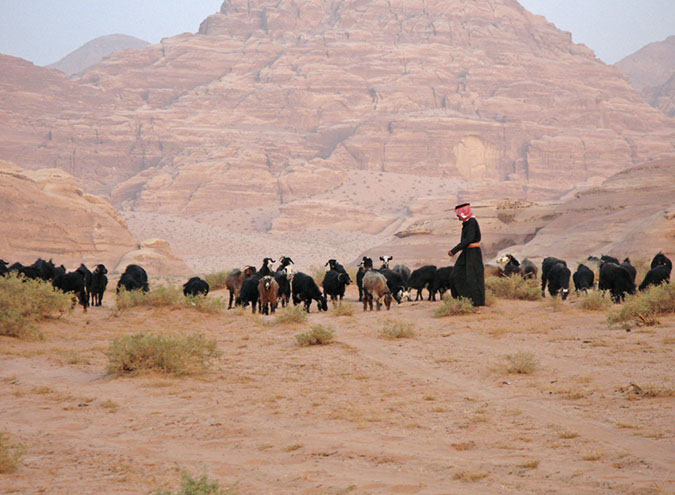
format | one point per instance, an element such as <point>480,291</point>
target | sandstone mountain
<point>650,66</point>
<point>92,52</point>
<point>47,214</point>
<point>651,70</point>
<point>333,123</point>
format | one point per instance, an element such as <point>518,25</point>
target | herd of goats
<point>265,288</point>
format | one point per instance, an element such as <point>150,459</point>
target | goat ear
<point>326,264</point>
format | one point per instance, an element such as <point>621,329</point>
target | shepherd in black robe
<point>468,275</point>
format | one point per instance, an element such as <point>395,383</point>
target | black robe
<point>468,275</point>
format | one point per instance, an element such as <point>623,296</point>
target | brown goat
<point>375,287</point>
<point>267,292</point>
<point>234,280</point>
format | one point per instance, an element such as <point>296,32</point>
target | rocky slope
<point>94,51</point>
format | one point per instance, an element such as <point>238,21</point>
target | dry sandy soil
<point>433,414</point>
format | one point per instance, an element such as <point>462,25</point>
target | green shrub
<point>23,302</point>
<point>595,301</point>
<point>318,335</point>
<point>521,362</point>
<point>10,455</point>
<point>514,287</point>
<point>200,486</point>
<point>217,280</point>
<point>177,355</point>
<point>643,308</point>
<point>397,330</point>
<point>454,307</point>
<point>292,314</point>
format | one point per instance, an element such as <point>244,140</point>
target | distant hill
<point>651,70</point>
<point>94,51</point>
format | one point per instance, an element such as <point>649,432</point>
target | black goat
<point>196,287</point>
<point>99,282</point>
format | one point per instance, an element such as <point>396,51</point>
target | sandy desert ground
<point>433,414</point>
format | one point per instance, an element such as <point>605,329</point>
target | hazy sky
<point>43,31</point>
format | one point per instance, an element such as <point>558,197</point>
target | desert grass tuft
<point>291,314</point>
<point>642,309</point>
<point>454,307</point>
<point>10,455</point>
<point>24,302</point>
<point>397,330</point>
<point>176,354</point>
<point>197,486</point>
<point>595,301</point>
<point>521,363</point>
<point>318,335</point>
<point>514,287</point>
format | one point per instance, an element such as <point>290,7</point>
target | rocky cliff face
<point>270,94</point>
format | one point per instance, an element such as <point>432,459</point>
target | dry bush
<point>318,335</point>
<point>454,307</point>
<point>647,391</point>
<point>531,464</point>
<point>125,299</point>
<point>470,477</point>
<point>397,330</point>
<point>643,308</point>
<point>205,304</point>
<point>521,362</point>
<point>163,295</point>
<point>514,287</point>
<point>217,280</point>
<point>168,296</point>
<point>23,302</point>
<point>595,301</point>
<point>343,309</point>
<point>555,304</point>
<point>159,296</point>
<point>199,486</point>
<point>291,314</point>
<point>490,298</point>
<point>10,455</point>
<point>176,355</point>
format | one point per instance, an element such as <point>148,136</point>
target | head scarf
<point>464,212</point>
